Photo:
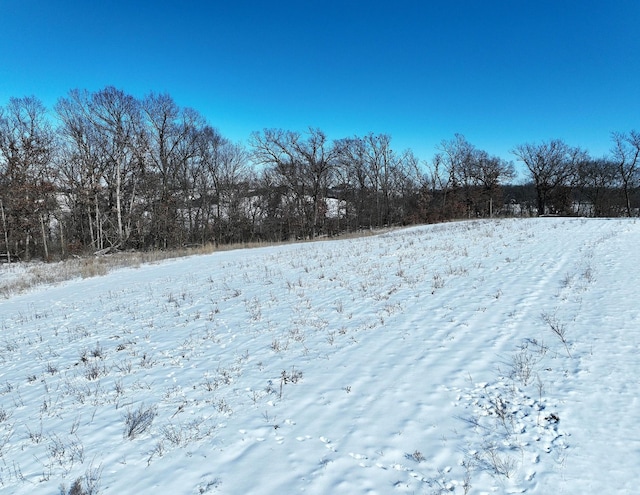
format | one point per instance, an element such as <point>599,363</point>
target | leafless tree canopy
<point>105,170</point>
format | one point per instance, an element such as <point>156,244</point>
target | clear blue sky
<point>501,72</point>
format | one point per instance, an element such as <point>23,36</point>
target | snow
<point>417,361</point>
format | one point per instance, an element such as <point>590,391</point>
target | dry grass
<point>20,277</point>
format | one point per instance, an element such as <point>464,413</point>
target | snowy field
<point>473,357</point>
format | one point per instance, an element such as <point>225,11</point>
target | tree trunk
<point>627,198</point>
<point>27,242</point>
<point>93,239</point>
<point>119,204</point>
<point>61,238</point>
<point>6,234</point>
<point>44,239</point>
<point>541,200</point>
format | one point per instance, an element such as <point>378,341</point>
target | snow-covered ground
<point>472,357</point>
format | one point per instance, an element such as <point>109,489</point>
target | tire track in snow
<point>602,400</point>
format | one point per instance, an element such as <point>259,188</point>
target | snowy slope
<point>473,357</point>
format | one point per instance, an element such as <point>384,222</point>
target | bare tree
<point>233,185</point>
<point>283,174</point>
<point>318,159</point>
<point>26,175</point>
<point>439,185</point>
<point>596,180</point>
<point>380,162</point>
<point>552,166</point>
<point>377,177</point>
<point>104,133</point>
<point>223,186</point>
<point>457,158</point>
<point>80,167</point>
<point>353,181</point>
<point>407,181</point>
<point>303,168</point>
<point>626,152</point>
<point>473,176</point>
<point>172,135</point>
<point>117,120</point>
<point>489,174</point>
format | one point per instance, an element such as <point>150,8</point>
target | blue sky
<point>501,72</point>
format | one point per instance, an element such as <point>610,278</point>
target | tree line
<point>111,171</point>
